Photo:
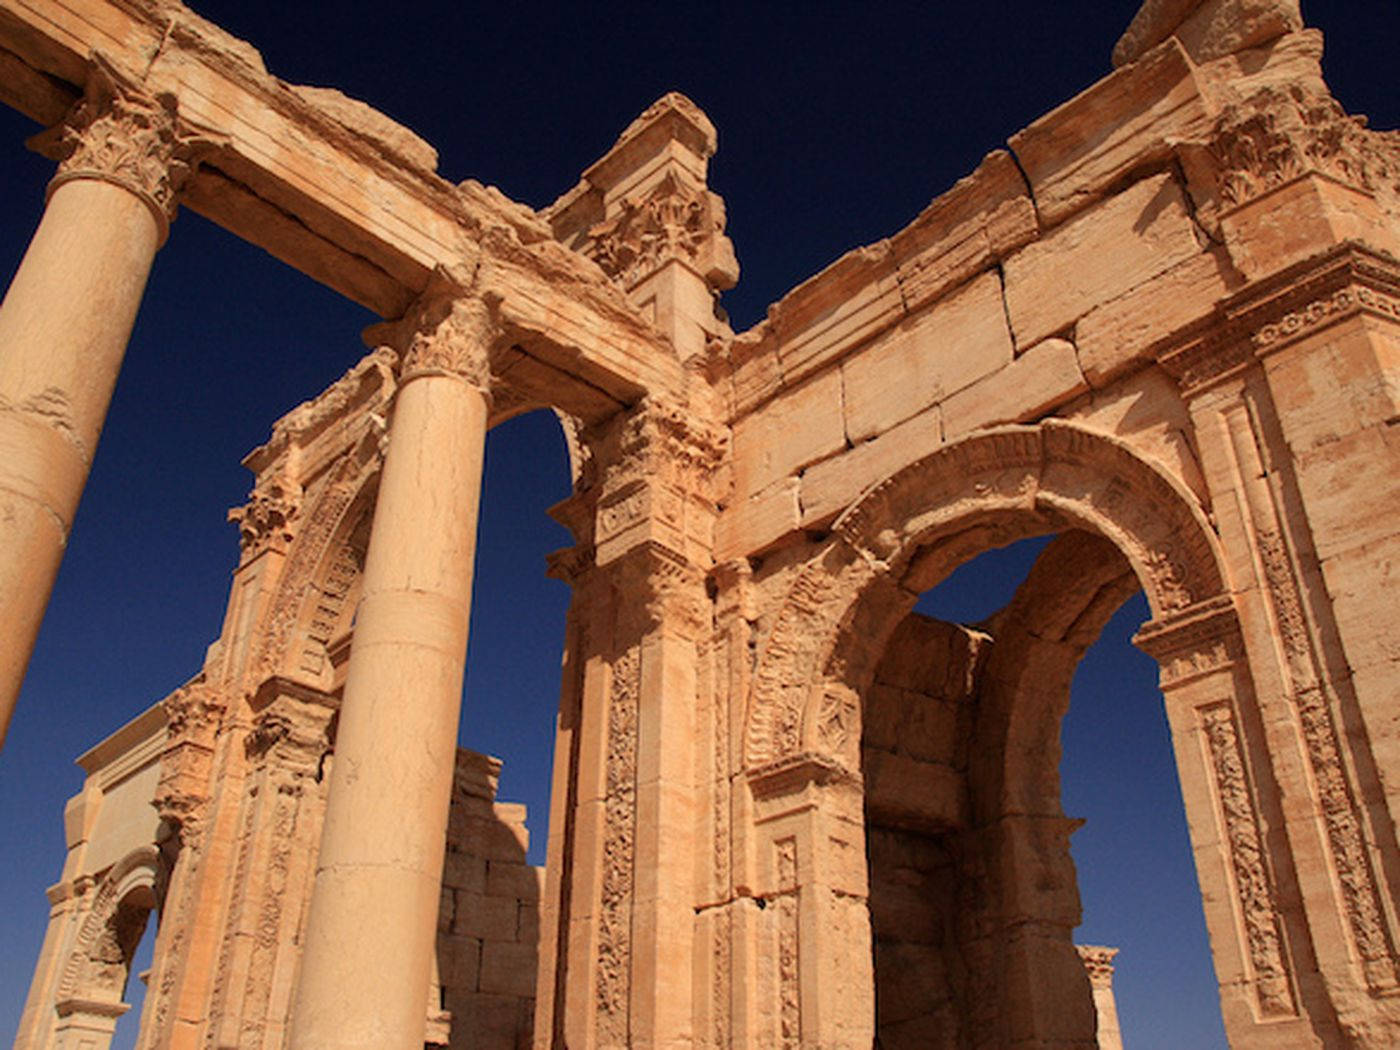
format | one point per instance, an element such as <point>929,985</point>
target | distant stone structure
<point>1164,324</point>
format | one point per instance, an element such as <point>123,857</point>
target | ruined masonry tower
<point>1164,326</point>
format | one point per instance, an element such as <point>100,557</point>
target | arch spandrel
<point>901,536</point>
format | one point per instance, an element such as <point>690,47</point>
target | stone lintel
<point>355,205</point>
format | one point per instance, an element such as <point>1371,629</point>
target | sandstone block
<point>1076,153</point>
<point>797,427</point>
<point>508,969</point>
<point>1209,29</point>
<point>519,882</point>
<point>1100,255</point>
<point>486,918</point>
<point>1120,335</point>
<point>848,302</point>
<point>485,1021</point>
<point>964,231</point>
<point>955,342</point>
<point>1043,377</point>
<point>752,524</point>
<point>1300,219</point>
<point>459,961</point>
<point>464,871</point>
<point>829,487</point>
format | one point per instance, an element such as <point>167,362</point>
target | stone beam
<point>340,192</point>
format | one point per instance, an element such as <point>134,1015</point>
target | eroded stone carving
<point>619,849</point>
<point>673,220</point>
<point>118,133</point>
<point>1257,909</point>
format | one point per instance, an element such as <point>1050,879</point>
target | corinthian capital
<point>119,133</point>
<point>449,330</point>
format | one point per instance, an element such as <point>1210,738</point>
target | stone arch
<point>908,531</point>
<point>323,563</point>
<point>96,971</point>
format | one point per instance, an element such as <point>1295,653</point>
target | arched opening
<point>974,795</point>
<point>129,1024</point>
<point>95,992</point>
<point>1125,525</point>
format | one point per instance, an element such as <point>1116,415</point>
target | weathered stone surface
<point>798,427</point>
<point>1043,377</point>
<point>1125,123</point>
<point>1207,28</point>
<point>1122,334</point>
<point>787,812</point>
<point>1100,255</point>
<point>955,342</point>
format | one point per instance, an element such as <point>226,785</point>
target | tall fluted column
<point>373,917</point>
<point>64,325</point>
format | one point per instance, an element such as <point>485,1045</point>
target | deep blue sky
<point>838,123</point>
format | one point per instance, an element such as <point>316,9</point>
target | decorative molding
<point>1098,963</point>
<point>1254,891</point>
<point>118,133</point>
<point>1051,475</point>
<point>613,987</point>
<point>1313,697</point>
<point>265,522</point>
<point>97,963</point>
<point>194,714</point>
<point>1348,281</point>
<point>789,947</point>
<point>1193,642</point>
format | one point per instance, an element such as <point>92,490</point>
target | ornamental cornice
<point>118,133</point>
<point>1196,641</point>
<point>450,329</point>
<point>1345,282</point>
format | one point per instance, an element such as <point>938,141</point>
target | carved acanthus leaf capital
<point>449,330</point>
<point>672,220</point>
<point>266,520</point>
<point>119,133</point>
<point>1280,134</point>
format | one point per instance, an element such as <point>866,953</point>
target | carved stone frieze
<point>613,983</point>
<point>673,219</point>
<point>120,134</point>
<point>789,976</point>
<point>1193,642</point>
<point>1254,890</point>
<point>1270,315</point>
<point>194,713</point>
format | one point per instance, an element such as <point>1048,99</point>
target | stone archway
<point>90,994</point>
<point>803,728</point>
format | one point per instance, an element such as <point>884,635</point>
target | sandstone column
<point>64,324</point>
<point>371,927</point>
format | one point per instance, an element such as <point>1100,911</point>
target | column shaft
<point>64,325</point>
<point>373,917</point>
